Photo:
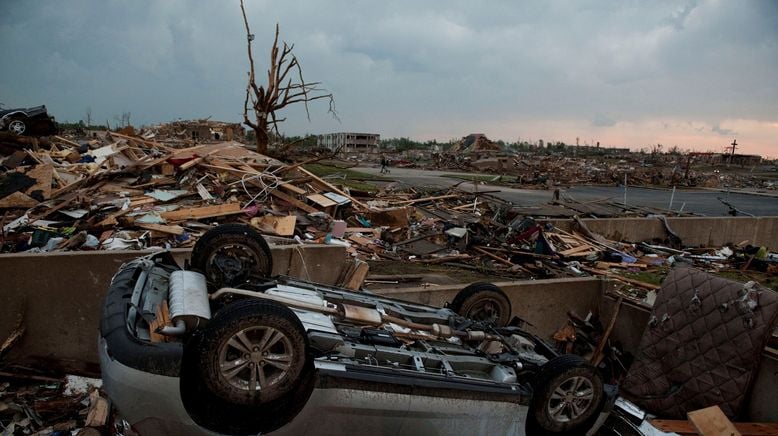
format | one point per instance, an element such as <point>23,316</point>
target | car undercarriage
<point>252,350</point>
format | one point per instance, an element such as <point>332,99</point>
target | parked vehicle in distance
<point>33,121</point>
<point>223,347</point>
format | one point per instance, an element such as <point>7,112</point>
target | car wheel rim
<point>571,399</point>
<point>256,358</point>
<point>485,310</point>
<point>230,262</point>
<point>16,127</point>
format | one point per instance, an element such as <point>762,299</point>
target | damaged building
<point>350,142</point>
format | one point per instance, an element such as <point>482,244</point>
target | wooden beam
<point>293,201</point>
<point>67,141</point>
<point>575,250</point>
<point>597,355</point>
<point>197,160</point>
<point>501,260</point>
<point>494,256</point>
<point>203,212</point>
<point>173,230</point>
<point>286,186</point>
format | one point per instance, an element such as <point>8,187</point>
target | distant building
<point>348,141</point>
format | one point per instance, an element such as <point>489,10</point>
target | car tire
<point>253,353</point>
<point>17,126</point>
<point>230,253</point>
<point>483,302</point>
<point>221,416</point>
<point>568,394</point>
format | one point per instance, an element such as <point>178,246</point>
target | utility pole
<point>734,146</point>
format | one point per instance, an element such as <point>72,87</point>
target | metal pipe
<point>177,330</point>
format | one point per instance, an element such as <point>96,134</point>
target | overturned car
<point>33,121</point>
<point>223,347</point>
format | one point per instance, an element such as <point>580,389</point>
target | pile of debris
<point>204,130</point>
<point>124,192</point>
<point>46,405</point>
<point>475,143</point>
<point>536,169</point>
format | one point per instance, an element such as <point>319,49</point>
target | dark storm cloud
<point>402,68</point>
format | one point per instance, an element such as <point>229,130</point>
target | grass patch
<point>344,176</point>
<point>460,275</point>
<point>651,277</point>
<point>656,277</point>
<point>767,280</point>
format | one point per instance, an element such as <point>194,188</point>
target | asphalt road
<point>700,201</point>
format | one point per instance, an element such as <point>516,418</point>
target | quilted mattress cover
<point>702,345</point>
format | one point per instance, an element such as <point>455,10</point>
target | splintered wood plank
<point>711,421</point>
<point>276,225</point>
<point>194,213</point>
<point>185,166</point>
<point>576,250</point>
<point>321,200</point>
<point>286,186</point>
<point>99,409</point>
<point>173,230</point>
<point>141,201</point>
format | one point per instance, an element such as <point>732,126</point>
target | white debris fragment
<point>77,385</point>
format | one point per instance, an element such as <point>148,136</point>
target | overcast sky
<point>625,73</point>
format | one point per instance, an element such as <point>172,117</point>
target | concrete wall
<point>763,404</point>
<point>542,303</point>
<point>694,231</point>
<point>59,297</point>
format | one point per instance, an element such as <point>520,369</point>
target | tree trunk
<point>261,134</point>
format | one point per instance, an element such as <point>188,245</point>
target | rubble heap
<point>125,192</point>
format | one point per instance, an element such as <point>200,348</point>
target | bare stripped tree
<point>285,86</point>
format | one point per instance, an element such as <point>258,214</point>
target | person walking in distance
<point>384,163</point>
